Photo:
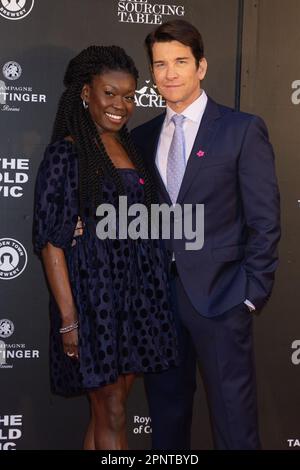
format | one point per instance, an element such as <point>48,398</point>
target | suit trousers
<point>223,348</point>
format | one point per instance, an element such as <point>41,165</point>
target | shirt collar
<point>193,112</point>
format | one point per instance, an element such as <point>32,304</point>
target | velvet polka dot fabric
<point>120,286</point>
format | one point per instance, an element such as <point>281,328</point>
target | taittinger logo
<point>6,328</point>
<point>14,93</point>
<point>12,70</point>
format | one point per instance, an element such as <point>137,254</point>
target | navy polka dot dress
<point>119,286</point>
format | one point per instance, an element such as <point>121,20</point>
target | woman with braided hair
<point>110,311</point>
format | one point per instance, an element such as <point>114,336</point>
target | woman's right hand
<point>58,277</point>
<point>70,344</point>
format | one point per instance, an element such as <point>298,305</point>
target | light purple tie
<point>176,159</point>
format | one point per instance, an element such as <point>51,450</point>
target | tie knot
<point>178,119</point>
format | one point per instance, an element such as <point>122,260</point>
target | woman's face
<point>110,98</point>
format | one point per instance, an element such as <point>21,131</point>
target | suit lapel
<point>207,129</point>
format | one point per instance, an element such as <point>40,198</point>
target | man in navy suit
<point>229,167</point>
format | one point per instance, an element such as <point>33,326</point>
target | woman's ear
<point>85,93</point>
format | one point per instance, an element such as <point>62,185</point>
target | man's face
<point>176,74</point>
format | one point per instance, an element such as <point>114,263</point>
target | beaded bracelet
<point>67,329</point>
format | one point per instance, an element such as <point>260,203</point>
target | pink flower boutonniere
<point>200,153</point>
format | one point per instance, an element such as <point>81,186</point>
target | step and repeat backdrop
<point>38,38</point>
<point>270,87</point>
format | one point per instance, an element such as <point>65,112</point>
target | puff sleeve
<point>55,198</point>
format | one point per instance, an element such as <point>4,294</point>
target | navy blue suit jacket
<point>235,180</point>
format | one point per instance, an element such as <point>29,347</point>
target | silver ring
<point>70,354</point>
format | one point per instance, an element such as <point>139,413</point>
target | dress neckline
<point>117,168</point>
<point>127,169</point>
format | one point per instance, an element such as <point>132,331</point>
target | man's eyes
<point>161,65</point>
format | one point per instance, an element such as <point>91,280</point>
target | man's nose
<point>171,72</point>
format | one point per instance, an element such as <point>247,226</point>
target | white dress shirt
<point>193,116</point>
